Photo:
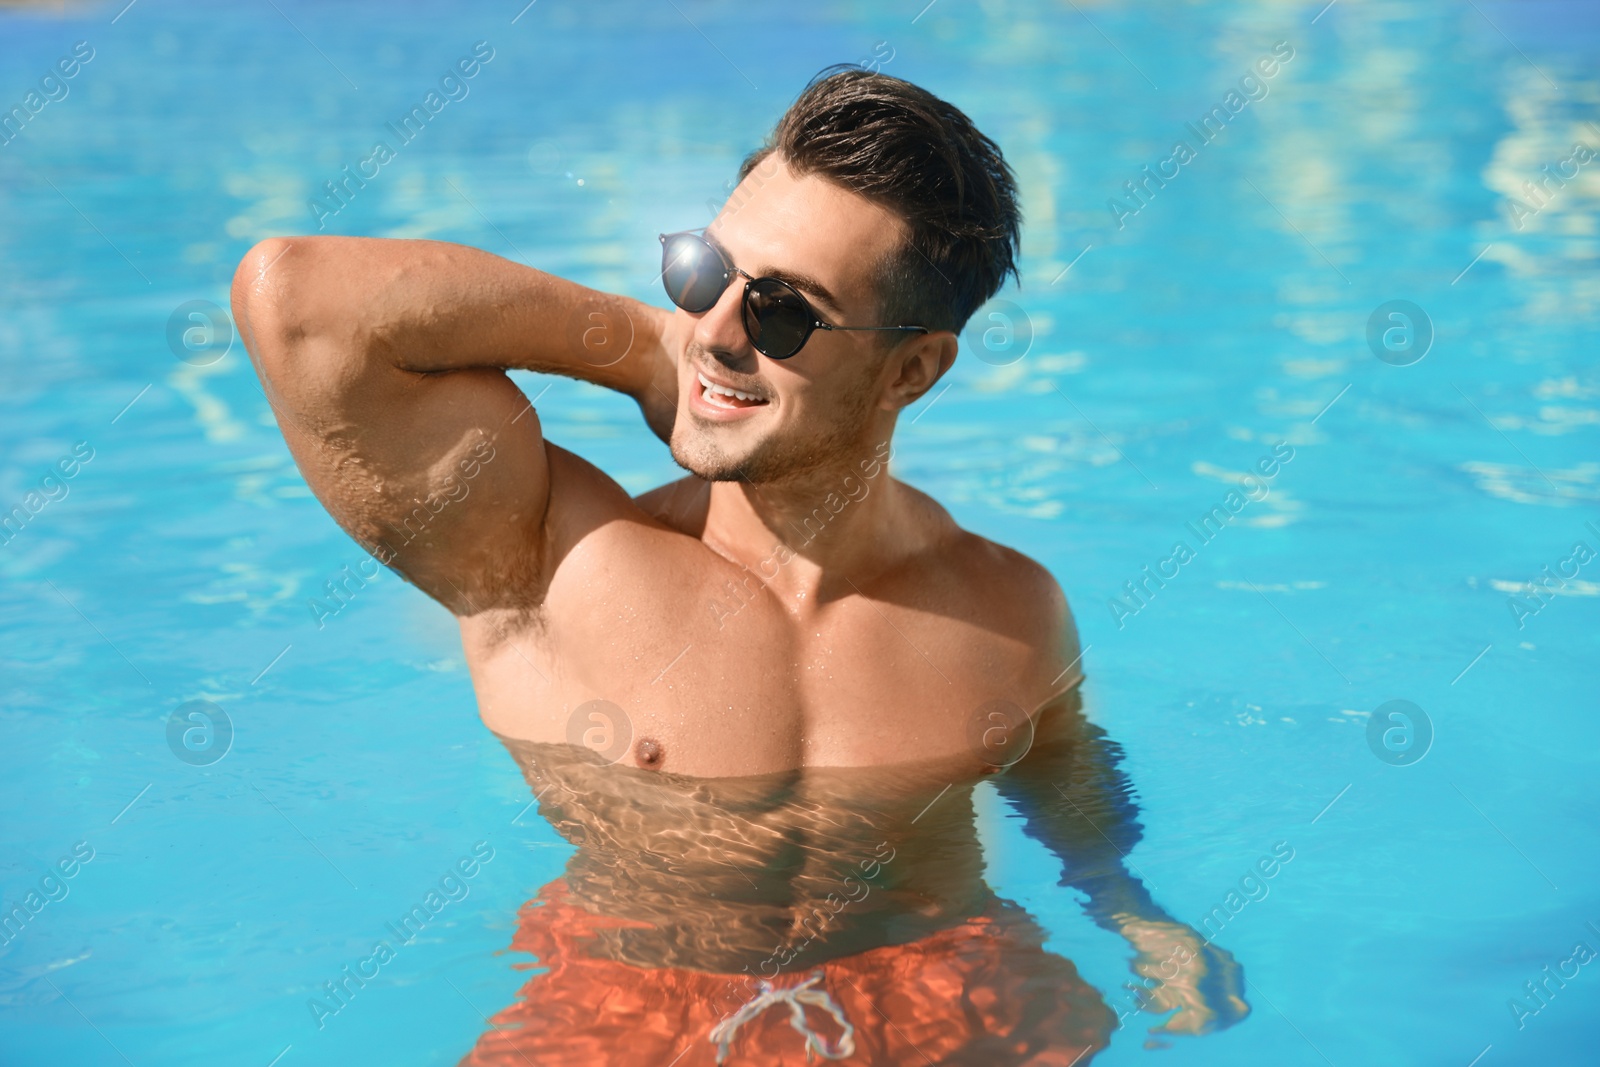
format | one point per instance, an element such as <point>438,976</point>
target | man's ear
<point>915,366</point>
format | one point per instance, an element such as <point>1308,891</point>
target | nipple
<point>649,754</point>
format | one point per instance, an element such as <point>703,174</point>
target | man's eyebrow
<point>803,282</point>
<point>807,284</point>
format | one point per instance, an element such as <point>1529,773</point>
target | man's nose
<point>720,330</point>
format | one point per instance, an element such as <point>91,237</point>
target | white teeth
<point>713,389</point>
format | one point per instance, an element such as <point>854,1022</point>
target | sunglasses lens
<point>777,318</point>
<point>692,272</point>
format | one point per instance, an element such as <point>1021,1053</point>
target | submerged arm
<point>1075,801</point>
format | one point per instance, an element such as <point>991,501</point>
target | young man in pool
<point>789,607</point>
<point>789,603</point>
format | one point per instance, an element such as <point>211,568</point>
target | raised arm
<point>384,362</point>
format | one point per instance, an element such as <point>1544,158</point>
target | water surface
<point>1226,318</point>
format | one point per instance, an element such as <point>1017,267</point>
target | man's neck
<point>819,536</point>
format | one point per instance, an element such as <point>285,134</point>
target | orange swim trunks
<point>984,993</point>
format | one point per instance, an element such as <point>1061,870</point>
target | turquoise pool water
<point>1420,542</point>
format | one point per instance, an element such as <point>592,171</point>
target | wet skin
<point>871,628</point>
<point>771,875</point>
<point>788,611</point>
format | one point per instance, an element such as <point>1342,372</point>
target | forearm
<point>1115,896</point>
<point>428,306</point>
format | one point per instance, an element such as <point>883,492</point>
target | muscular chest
<point>715,681</point>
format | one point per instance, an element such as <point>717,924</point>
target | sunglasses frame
<point>746,312</point>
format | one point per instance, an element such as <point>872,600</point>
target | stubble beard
<point>775,458</point>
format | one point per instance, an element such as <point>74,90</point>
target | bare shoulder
<point>1013,596</point>
<point>1015,578</point>
<point>1023,585</point>
<point>596,532</point>
<point>682,504</point>
<point>586,501</point>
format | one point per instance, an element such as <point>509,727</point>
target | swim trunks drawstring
<point>797,997</point>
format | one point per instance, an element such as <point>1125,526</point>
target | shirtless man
<point>788,615</point>
<point>872,628</point>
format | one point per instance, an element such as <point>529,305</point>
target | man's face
<point>817,408</point>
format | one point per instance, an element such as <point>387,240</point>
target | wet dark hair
<point>904,148</point>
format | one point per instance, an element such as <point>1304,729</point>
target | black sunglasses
<point>777,318</point>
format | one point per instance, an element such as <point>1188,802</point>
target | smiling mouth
<point>719,396</point>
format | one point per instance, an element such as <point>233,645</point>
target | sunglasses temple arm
<point>830,326</point>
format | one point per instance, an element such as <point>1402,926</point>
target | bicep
<point>441,476</point>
